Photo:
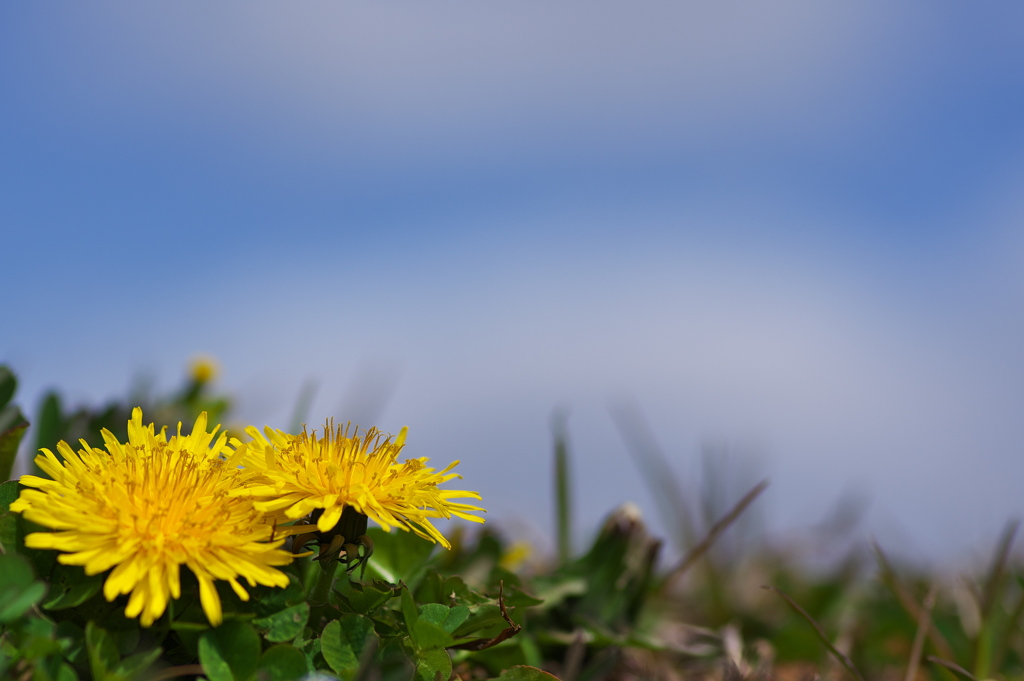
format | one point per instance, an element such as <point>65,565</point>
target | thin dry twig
<point>924,623</point>
<point>716,530</point>
<point>843,658</point>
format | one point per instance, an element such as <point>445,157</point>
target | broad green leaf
<point>49,423</point>
<point>343,642</point>
<point>336,649</point>
<point>456,616</point>
<point>70,587</point>
<point>136,666</point>
<point>8,384</point>
<point>485,620</point>
<point>434,613</point>
<point>12,429</point>
<point>433,664</point>
<point>282,663</point>
<point>285,624</point>
<point>426,634</point>
<point>15,604</point>
<point>229,652</point>
<point>9,492</point>
<point>270,600</point>
<point>398,556</point>
<point>362,598</point>
<point>18,589</point>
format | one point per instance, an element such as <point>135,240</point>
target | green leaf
<point>103,655</point>
<point>455,618</point>
<point>434,613</point>
<point>282,663</point>
<point>229,652</point>
<point>343,642</point>
<point>433,663</point>
<point>18,589</point>
<point>286,624</point>
<point>72,640</point>
<point>50,422</point>
<point>484,621</point>
<point>8,384</point>
<point>12,429</point>
<point>135,666</point>
<point>409,611</point>
<point>525,673</point>
<point>9,492</point>
<point>70,587</point>
<point>398,556</point>
<point>270,600</point>
<point>362,598</point>
<point>426,634</point>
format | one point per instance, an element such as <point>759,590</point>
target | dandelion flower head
<point>296,475</point>
<point>147,507</point>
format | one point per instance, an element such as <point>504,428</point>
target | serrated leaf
<point>286,624</point>
<point>282,663</point>
<point>229,652</point>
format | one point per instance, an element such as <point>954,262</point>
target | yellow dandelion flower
<point>203,369</point>
<point>297,475</point>
<point>147,507</point>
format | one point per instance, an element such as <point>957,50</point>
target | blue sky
<point>792,228</point>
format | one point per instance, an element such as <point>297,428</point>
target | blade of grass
<point>563,506</point>
<point>890,579</point>
<point>984,645</point>
<point>952,666</point>
<point>657,474</point>
<point>843,658</point>
<point>1009,630</point>
<point>995,573</point>
<point>924,624</point>
<point>716,530</point>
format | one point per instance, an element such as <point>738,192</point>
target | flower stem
<point>323,584</point>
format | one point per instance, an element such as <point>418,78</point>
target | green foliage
<point>12,423</point>
<point>417,612</point>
